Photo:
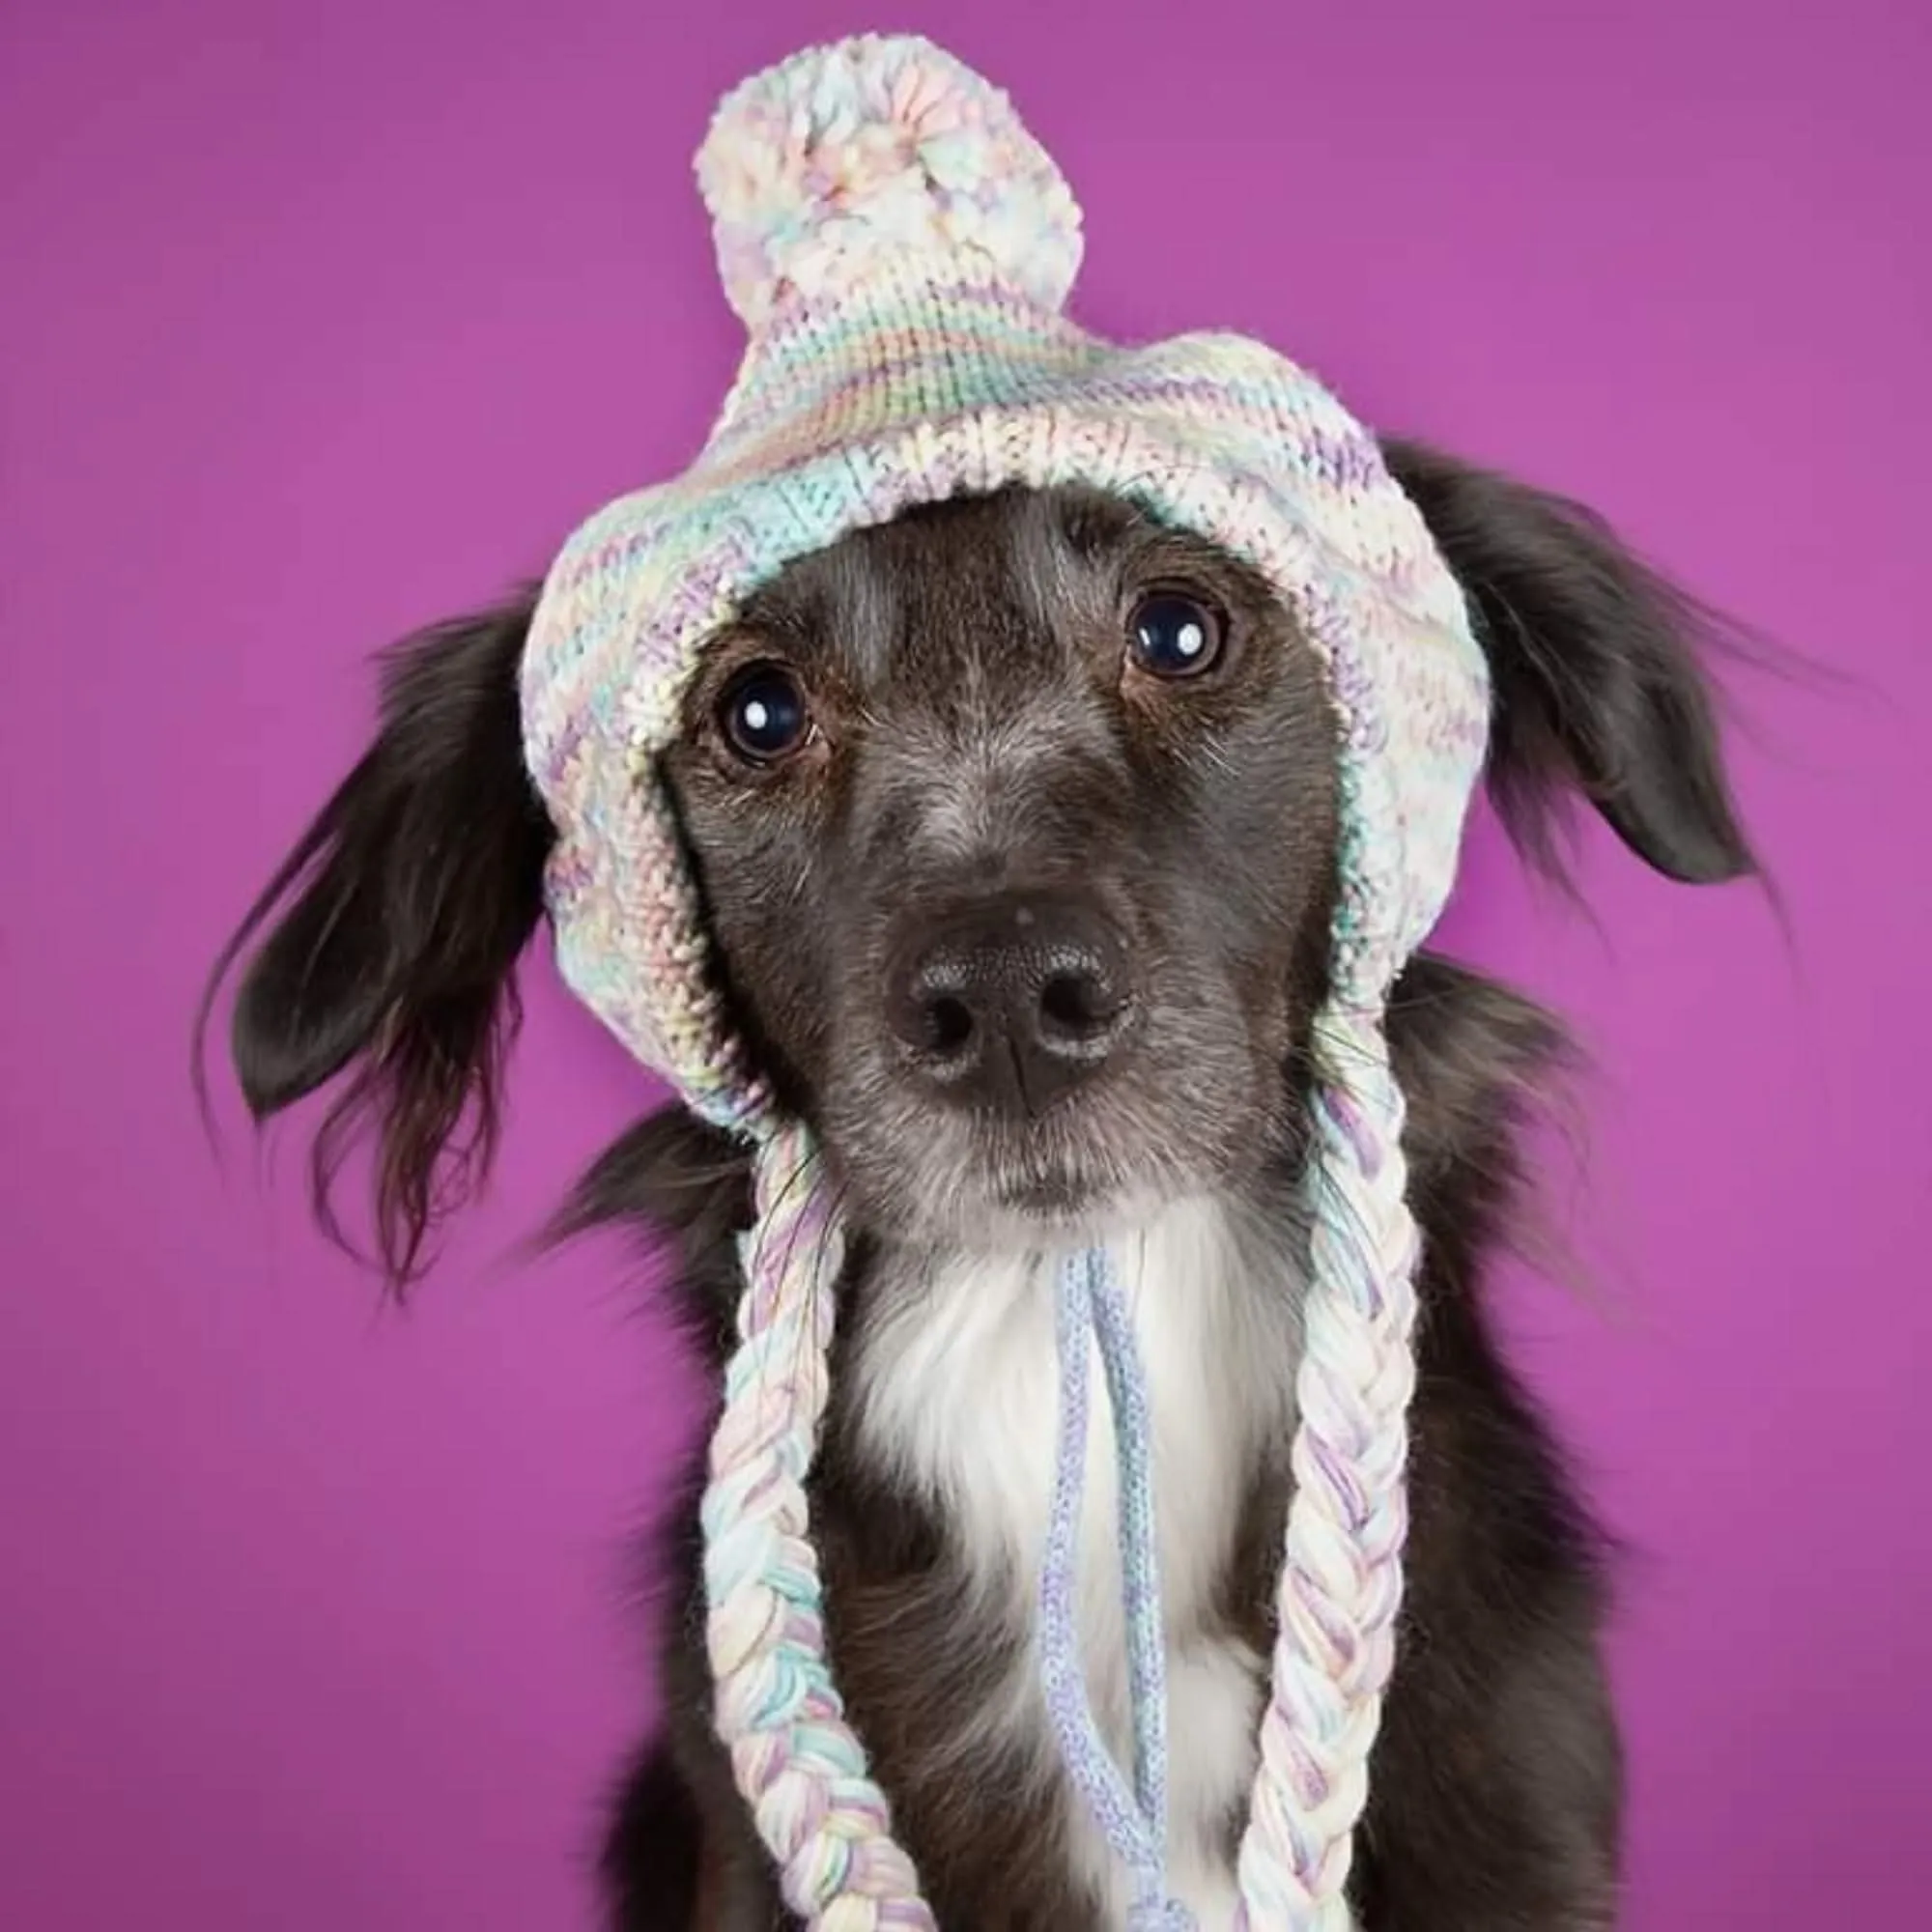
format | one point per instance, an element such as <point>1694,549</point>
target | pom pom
<point>880,147</point>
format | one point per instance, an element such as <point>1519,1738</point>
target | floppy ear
<point>1597,667</point>
<point>393,929</point>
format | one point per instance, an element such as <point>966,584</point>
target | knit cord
<point>1088,1301</point>
<point>796,1760</point>
<point>1341,1583</point>
<point>1140,1558</point>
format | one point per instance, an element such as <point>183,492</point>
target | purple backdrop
<point>320,322</point>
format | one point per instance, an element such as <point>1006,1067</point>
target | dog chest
<point>957,1395</point>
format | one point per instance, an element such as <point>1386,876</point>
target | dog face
<point>975,801</point>
<point>1015,822</point>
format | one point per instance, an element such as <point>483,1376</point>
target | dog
<point>1014,820</point>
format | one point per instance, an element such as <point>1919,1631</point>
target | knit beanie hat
<point>899,249</point>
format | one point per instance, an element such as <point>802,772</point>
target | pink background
<point>321,320</point>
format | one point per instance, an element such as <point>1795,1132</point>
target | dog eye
<point>763,714</point>
<point>1172,636</point>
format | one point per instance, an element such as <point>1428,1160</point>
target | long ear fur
<point>397,922</point>
<point>1599,669</point>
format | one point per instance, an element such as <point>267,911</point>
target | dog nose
<point>1011,1003</point>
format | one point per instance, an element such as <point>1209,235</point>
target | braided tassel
<point>1341,1583</point>
<point>798,1763</point>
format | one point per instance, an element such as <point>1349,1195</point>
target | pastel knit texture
<point>1088,1306</point>
<point>899,248</point>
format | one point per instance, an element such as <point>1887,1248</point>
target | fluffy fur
<point>977,736</point>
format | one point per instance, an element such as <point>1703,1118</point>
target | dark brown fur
<point>1203,821</point>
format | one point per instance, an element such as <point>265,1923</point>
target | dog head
<point>1014,823</point>
<point>976,801</point>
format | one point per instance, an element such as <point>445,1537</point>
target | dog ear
<point>393,930</point>
<point>1596,662</point>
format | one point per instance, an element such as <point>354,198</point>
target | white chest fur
<point>958,1392</point>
